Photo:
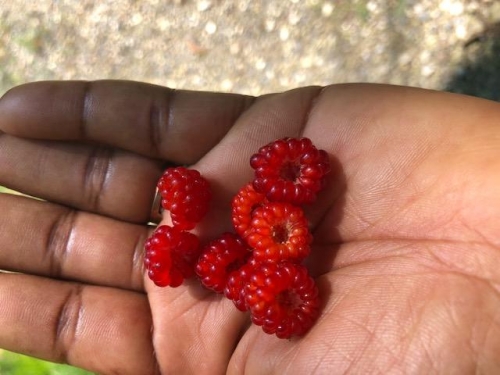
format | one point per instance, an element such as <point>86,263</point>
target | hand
<point>407,236</point>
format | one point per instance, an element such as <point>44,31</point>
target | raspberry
<point>171,255</point>
<point>219,258</point>
<point>258,268</point>
<point>236,281</point>
<point>290,170</point>
<point>186,194</point>
<point>243,205</point>
<point>278,232</point>
<point>282,298</point>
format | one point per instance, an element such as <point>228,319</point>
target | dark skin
<point>406,237</point>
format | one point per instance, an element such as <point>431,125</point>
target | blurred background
<point>250,47</point>
<point>254,46</point>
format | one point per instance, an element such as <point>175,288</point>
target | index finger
<point>176,125</point>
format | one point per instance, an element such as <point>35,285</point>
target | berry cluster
<point>258,267</point>
<point>172,252</point>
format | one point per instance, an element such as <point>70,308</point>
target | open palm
<point>406,237</point>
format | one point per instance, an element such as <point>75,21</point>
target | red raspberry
<point>290,170</point>
<point>186,194</point>
<point>243,205</point>
<point>219,258</point>
<point>282,298</point>
<point>236,282</point>
<point>171,255</point>
<point>279,231</point>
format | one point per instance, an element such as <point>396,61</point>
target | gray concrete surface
<point>250,46</point>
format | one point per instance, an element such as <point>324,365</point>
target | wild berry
<point>290,170</point>
<point>219,258</point>
<point>186,194</point>
<point>243,205</point>
<point>279,231</point>
<point>171,255</point>
<point>258,268</point>
<point>236,282</point>
<point>282,298</point>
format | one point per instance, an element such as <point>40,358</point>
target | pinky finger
<point>100,329</point>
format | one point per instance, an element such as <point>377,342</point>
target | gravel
<point>253,46</point>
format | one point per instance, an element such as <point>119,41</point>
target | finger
<point>93,178</point>
<point>49,240</point>
<point>100,329</point>
<point>180,126</point>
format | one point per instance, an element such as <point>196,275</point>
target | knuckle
<point>161,119</point>
<point>95,175</point>
<point>56,249</point>
<point>67,323</point>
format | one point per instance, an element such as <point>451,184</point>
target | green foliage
<point>5,190</point>
<point>32,38</point>
<point>17,364</point>
<point>361,9</point>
